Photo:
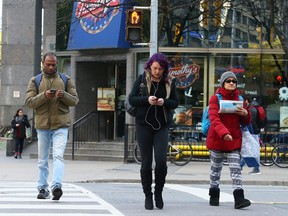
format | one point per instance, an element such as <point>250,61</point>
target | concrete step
<point>103,145</point>
<point>97,151</point>
<point>86,157</point>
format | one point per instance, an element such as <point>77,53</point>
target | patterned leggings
<point>233,159</point>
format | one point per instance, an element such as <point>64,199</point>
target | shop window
<point>258,78</point>
<point>188,72</point>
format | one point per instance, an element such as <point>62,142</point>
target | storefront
<point>197,75</point>
<point>105,60</point>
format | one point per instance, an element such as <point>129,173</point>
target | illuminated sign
<point>185,71</point>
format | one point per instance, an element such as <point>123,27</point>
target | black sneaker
<point>43,194</point>
<point>57,193</point>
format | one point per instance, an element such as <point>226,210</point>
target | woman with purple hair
<point>153,117</point>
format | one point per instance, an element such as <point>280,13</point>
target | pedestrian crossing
<point>19,198</point>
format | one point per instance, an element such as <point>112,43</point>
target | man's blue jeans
<point>58,139</point>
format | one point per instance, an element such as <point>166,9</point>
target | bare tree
<point>271,17</point>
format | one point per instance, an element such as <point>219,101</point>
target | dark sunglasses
<point>230,80</point>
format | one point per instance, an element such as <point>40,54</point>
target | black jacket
<point>20,132</point>
<point>144,111</point>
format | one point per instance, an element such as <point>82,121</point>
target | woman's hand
<point>241,111</point>
<point>228,137</point>
<point>152,100</point>
<point>156,101</point>
<point>160,102</point>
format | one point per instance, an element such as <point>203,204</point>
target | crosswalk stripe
<point>200,192</point>
<point>17,197</point>
<point>49,214</point>
<point>71,207</point>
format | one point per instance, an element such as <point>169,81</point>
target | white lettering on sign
<point>251,92</point>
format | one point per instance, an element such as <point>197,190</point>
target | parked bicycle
<point>279,153</point>
<point>276,152</point>
<point>179,150</point>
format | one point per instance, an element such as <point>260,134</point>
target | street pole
<point>154,27</point>
<point>153,44</point>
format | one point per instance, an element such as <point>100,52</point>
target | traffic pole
<point>154,27</point>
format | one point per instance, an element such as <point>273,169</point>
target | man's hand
<point>54,93</point>
<point>50,94</point>
<point>60,93</point>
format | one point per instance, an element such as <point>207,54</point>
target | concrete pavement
<point>195,172</point>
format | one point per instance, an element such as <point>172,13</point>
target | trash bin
<point>8,145</point>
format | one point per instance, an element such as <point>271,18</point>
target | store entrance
<point>101,87</point>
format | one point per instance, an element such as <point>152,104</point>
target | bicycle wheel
<point>266,157</point>
<point>192,140</point>
<point>179,152</point>
<point>136,154</point>
<point>280,155</point>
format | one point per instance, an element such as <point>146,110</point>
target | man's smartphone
<point>53,91</point>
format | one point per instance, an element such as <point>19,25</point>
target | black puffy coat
<point>20,132</point>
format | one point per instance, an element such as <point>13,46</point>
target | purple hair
<point>161,59</point>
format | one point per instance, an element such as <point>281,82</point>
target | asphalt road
<point>127,199</point>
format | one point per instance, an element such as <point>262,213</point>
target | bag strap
<point>38,79</point>
<point>142,85</point>
<point>250,128</point>
<point>219,96</point>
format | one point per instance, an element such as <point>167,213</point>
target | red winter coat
<point>225,123</point>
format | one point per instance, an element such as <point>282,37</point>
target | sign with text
<point>184,70</point>
<point>96,24</point>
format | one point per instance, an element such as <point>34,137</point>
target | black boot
<point>240,201</point>
<point>160,176</point>
<point>214,194</point>
<point>19,156</point>
<point>16,155</point>
<point>146,180</point>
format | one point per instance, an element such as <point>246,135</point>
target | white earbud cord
<point>155,113</point>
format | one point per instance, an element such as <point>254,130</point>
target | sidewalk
<point>99,171</point>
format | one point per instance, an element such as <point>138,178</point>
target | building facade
<point>104,71</point>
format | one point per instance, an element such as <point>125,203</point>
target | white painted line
<point>51,206</point>
<point>21,198</point>
<point>108,206</point>
<point>74,198</point>
<point>200,192</point>
<point>51,214</point>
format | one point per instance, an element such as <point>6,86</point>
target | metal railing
<point>85,130</point>
<point>33,131</point>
